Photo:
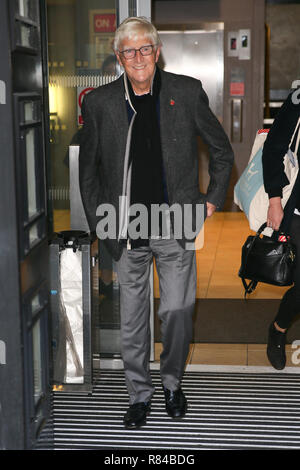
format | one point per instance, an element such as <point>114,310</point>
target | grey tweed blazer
<point>184,115</point>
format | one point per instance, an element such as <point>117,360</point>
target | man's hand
<point>210,209</point>
<point>275,213</point>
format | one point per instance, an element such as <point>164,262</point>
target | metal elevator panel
<point>198,53</point>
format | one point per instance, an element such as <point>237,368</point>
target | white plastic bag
<point>71,292</point>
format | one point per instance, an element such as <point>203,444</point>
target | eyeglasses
<point>144,50</point>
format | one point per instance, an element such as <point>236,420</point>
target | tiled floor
<point>232,355</point>
<point>217,264</point>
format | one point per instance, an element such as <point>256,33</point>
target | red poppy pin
<point>172,102</point>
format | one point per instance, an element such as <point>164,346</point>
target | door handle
<point>236,120</point>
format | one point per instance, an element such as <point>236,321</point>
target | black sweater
<point>277,144</point>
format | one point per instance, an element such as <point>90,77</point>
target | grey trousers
<point>176,270</point>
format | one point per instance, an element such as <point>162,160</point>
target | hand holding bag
<point>249,191</point>
<point>267,260</point>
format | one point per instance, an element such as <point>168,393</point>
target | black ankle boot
<point>276,348</point>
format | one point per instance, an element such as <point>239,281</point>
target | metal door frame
<point>24,404</point>
<point>127,8</point>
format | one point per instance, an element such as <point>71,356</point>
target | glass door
<point>25,391</point>
<point>80,58</point>
<point>36,351</point>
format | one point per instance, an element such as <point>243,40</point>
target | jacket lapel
<point>168,114</point>
<point>119,116</point>
<point>118,110</point>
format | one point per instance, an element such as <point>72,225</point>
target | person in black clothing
<point>287,220</point>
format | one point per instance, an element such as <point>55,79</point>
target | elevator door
<point>197,52</point>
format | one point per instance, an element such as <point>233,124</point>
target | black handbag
<point>267,260</point>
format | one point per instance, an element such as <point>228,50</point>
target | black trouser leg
<point>290,303</point>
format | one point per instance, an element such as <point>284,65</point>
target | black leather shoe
<point>136,415</point>
<point>176,404</point>
<point>276,348</point>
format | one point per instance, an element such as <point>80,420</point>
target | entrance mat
<point>226,411</point>
<point>233,321</point>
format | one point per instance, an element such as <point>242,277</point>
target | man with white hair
<point>139,145</point>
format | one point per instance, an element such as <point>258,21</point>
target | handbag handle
<point>261,229</point>
<point>249,287</point>
<point>258,233</point>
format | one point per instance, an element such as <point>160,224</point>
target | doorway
<point>228,330</point>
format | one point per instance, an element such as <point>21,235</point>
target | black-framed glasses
<point>144,50</point>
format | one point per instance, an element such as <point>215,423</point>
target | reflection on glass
<point>22,6</point>
<point>35,304</point>
<point>33,234</point>
<point>30,165</point>
<point>39,417</point>
<point>89,62</point>
<point>25,8</point>
<point>25,35</point>
<point>37,362</point>
<point>88,57</point>
<point>29,111</point>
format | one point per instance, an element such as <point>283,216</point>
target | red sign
<point>80,93</point>
<point>237,88</point>
<point>105,23</point>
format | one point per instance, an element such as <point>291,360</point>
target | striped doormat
<point>226,411</point>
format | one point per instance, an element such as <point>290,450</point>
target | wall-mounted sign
<point>244,44</point>
<point>237,81</point>
<point>104,23</point>
<point>233,44</point>
<point>81,92</point>
<point>237,89</point>
<point>239,44</point>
